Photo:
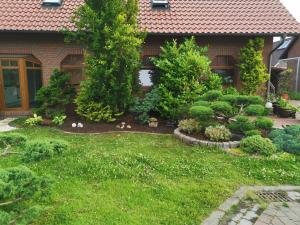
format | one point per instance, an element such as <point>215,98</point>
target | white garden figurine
<point>80,125</point>
<point>74,125</point>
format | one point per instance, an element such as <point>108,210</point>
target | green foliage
<point>258,145</point>
<point>18,185</point>
<point>56,96</point>
<point>241,125</point>
<point>43,150</point>
<point>255,110</point>
<point>231,99</point>
<point>230,91</point>
<point>287,139</point>
<point>189,126</point>
<point>144,107</point>
<point>202,103</point>
<point>222,109</point>
<point>59,120</point>
<point>294,95</point>
<point>183,72</point>
<point>201,113</point>
<point>110,33</point>
<point>34,121</point>
<point>14,140</point>
<point>252,133</point>
<point>218,133</point>
<point>249,100</point>
<point>253,71</point>
<point>212,95</point>
<point>284,81</point>
<point>264,123</point>
<point>94,111</point>
<point>284,104</point>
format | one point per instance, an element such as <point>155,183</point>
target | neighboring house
<point>31,45</point>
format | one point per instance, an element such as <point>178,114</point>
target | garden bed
<point>195,141</point>
<point>102,127</point>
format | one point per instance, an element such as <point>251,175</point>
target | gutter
<point>270,63</point>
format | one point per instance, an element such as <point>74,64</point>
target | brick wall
<point>50,49</point>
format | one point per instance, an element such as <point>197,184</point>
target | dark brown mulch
<point>101,127</point>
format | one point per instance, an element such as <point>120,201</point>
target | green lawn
<point>144,179</point>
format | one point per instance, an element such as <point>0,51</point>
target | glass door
<point>10,84</point>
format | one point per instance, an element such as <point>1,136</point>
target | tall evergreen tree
<point>110,33</point>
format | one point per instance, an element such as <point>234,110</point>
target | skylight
<point>285,44</point>
<point>52,2</point>
<point>160,3</point>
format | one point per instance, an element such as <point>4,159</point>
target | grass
<point>114,179</point>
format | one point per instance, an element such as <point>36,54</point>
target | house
<point>31,44</point>
<point>287,56</point>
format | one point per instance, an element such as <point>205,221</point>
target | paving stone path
<point>4,125</point>
<point>280,214</point>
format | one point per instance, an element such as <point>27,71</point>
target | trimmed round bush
<point>264,123</point>
<point>252,133</point>
<point>201,113</point>
<point>241,125</point>
<point>189,126</point>
<point>255,110</point>
<point>37,151</point>
<point>222,108</point>
<point>255,100</point>
<point>212,95</point>
<point>218,133</point>
<point>202,103</point>
<point>59,146</point>
<point>258,145</point>
<point>231,99</point>
<point>14,140</point>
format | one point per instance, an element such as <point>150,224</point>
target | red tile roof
<point>183,17</point>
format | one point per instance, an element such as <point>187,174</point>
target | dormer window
<point>160,4</point>
<point>52,3</point>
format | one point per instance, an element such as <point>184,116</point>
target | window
<point>34,80</point>
<point>224,66</point>
<point>74,66</point>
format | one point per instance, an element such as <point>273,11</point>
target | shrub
<point>43,150</point>
<point>287,139</point>
<point>201,113</point>
<point>34,121</point>
<point>222,109</point>
<point>144,107</point>
<point>182,73</point>
<point>212,95</point>
<point>252,133</point>
<point>218,133</point>
<point>253,70</point>
<point>264,123</point>
<point>241,125</point>
<point>96,112</point>
<point>110,32</point>
<point>56,96</point>
<point>19,185</point>
<point>231,99</point>
<point>255,110</point>
<point>230,91</point>
<point>14,140</point>
<point>249,100</point>
<point>258,145</point>
<point>202,103</point>
<point>189,126</point>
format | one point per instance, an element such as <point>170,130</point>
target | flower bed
<point>194,141</point>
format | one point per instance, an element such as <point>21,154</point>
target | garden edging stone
<point>193,141</point>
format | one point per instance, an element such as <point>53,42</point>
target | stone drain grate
<point>274,196</point>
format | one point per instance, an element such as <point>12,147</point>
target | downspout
<point>270,63</point>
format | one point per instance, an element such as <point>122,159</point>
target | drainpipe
<point>270,63</point>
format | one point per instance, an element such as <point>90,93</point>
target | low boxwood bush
<point>252,133</point>
<point>218,133</point>
<point>258,145</point>
<point>287,139</point>
<point>202,103</point>
<point>255,110</point>
<point>43,150</point>
<point>222,108</point>
<point>14,140</point>
<point>189,126</point>
<point>264,123</point>
<point>201,113</point>
<point>212,95</point>
<point>241,125</point>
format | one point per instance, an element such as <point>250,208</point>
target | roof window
<point>160,3</point>
<point>52,2</point>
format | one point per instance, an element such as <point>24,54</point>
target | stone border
<point>217,215</point>
<point>193,141</point>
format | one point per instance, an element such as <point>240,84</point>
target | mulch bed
<point>101,127</point>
